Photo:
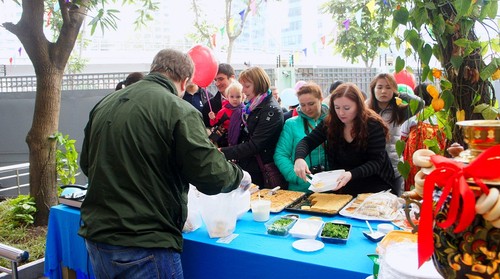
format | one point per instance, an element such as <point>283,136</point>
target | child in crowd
<point>230,114</point>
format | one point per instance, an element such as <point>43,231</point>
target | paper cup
<point>261,210</point>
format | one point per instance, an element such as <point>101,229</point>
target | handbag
<point>272,175</point>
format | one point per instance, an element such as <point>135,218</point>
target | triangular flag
<point>323,40</point>
<point>20,49</point>
<point>242,14</point>
<point>213,40</point>
<point>49,14</point>
<point>222,30</point>
<point>346,23</point>
<point>10,60</point>
<point>358,17</point>
<point>231,26</point>
<point>305,51</point>
<point>56,6</point>
<point>315,47</point>
<point>253,7</point>
<point>371,7</point>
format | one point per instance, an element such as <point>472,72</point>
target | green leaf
<point>488,112</point>
<point>462,7</point>
<point>420,17</point>
<point>477,98</point>
<point>400,147</point>
<point>401,16</point>
<point>493,9</point>
<point>484,11</point>
<point>448,99</point>
<point>426,72</point>
<point>400,64</point>
<point>413,106</point>
<point>462,42</point>
<point>414,38</point>
<point>439,26</point>
<point>456,61</point>
<point>488,71</point>
<point>404,168</point>
<point>426,54</point>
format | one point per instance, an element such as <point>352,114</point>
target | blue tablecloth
<point>252,254</point>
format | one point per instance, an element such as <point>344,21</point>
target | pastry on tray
<point>279,200</point>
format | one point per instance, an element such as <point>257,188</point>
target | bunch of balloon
<point>405,77</point>
<point>205,66</point>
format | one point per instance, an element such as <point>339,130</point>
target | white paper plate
<point>325,181</point>
<point>308,245</point>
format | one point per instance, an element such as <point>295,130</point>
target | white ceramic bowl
<point>325,181</point>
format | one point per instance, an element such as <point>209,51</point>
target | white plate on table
<point>308,245</point>
<point>325,181</point>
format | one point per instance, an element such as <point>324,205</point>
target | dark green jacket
<point>143,146</point>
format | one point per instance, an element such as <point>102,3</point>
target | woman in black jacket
<point>262,122</point>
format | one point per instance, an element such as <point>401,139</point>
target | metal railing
<point>15,256</point>
<point>14,173</point>
<point>322,76</point>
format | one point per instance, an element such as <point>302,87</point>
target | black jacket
<point>264,127</point>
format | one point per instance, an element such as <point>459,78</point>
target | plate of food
<point>325,181</point>
<point>279,198</point>
<point>382,206</point>
<point>321,203</point>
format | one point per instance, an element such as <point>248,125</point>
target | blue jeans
<point>110,261</point>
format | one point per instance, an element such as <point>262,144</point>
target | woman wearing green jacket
<point>311,112</point>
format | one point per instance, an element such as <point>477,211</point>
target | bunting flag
<point>305,51</point>
<point>231,26</point>
<point>371,7</point>
<point>242,14</point>
<point>48,17</point>
<point>213,39</point>
<point>10,60</point>
<point>56,6</point>
<point>253,7</point>
<point>346,23</point>
<point>315,48</point>
<point>222,31</point>
<point>20,49</point>
<point>323,40</point>
<point>358,16</point>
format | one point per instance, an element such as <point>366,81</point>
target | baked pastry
<point>327,203</point>
<point>280,200</point>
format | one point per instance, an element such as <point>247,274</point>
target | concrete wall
<point>16,116</point>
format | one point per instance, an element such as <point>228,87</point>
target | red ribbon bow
<point>452,177</point>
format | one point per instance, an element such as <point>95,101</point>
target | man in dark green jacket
<point>143,145</point>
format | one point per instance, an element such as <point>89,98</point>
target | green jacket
<point>143,145</point>
<point>284,156</point>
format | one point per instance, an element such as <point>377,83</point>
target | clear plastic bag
<point>193,221</point>
<point>220,212</point>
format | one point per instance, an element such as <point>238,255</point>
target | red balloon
<point>205,65</point>
<point>404,77</point>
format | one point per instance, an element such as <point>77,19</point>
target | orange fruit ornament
<point>437,104</point>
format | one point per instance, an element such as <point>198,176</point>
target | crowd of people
<point>145,143</point>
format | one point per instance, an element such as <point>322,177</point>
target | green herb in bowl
<point>335,232</point>
<point>280,226</point>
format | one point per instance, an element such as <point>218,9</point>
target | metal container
<point>480,134</point>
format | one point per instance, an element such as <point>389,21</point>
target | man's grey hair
<point>174,64</point>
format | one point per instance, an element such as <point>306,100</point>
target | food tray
<point>350,209</point>
<point>280,200</point>
<point>275,228</point>
<point>306,228</point>
<point>301,204</point>
<point>336,240</point>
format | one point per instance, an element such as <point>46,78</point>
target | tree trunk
<point>42,149</point>
<point>229,50</point>
<point>49,60</point>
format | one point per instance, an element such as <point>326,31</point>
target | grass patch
<point>17,230</point>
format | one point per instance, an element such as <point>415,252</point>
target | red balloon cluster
<point>405,77</point>
<point>205,65</point>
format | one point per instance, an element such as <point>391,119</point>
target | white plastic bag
<point>193,221</point>
<point>220,212</point>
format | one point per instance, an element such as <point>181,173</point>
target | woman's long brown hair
<point>335,127</point>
